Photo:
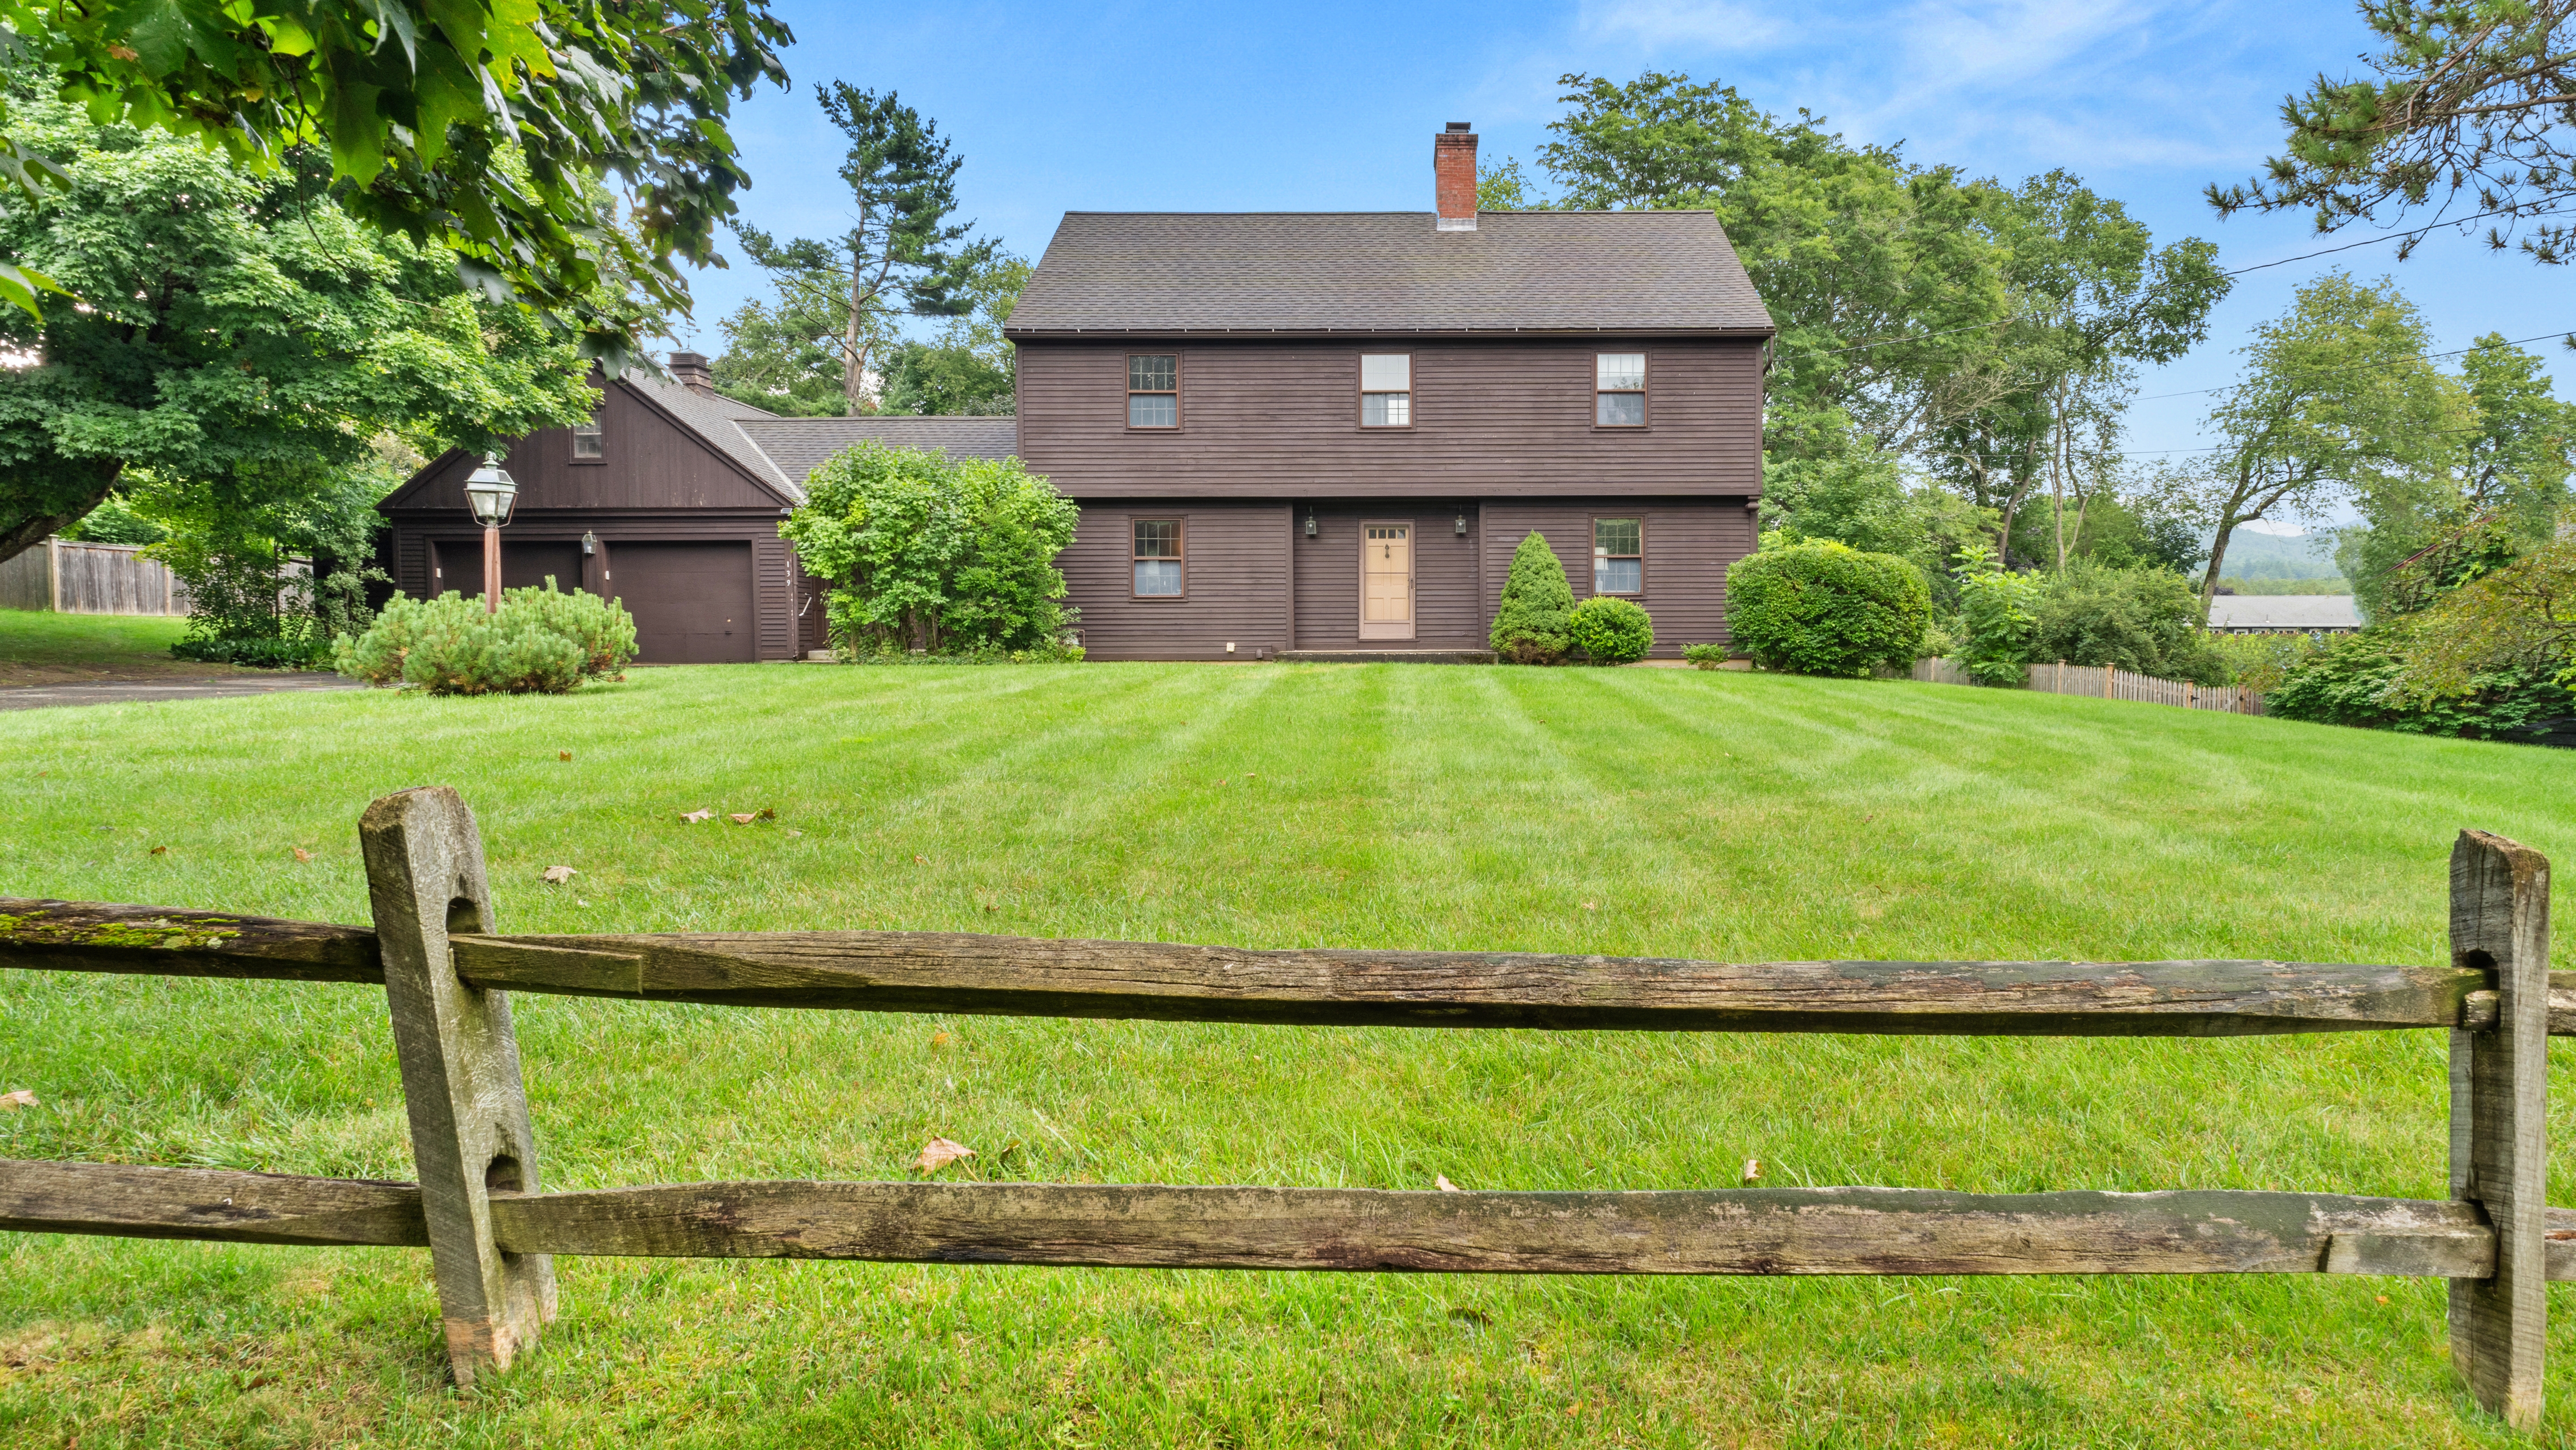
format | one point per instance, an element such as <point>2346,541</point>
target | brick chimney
<point>689,370</point>
<point>1453,165</point>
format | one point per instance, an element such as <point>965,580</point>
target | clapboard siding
<point>1236,575</point>
<point>1491,418</point>
<point>649,462</point>
<point>1688,542</point>
<point>1446,612</point>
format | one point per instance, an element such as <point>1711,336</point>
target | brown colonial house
<point>1329,431</point>
<point>1287,433</point>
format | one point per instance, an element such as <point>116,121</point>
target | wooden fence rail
<point>2106,682</point>
<point>492,1229</point>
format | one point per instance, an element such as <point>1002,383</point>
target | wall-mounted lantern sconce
<point>1310,523</point>
<point>1462,525</point>
<point>589,543</point>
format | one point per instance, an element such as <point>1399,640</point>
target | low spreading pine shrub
<point>1611,631</point>
<point>1707,656</point>
<point>1823,608</point>
<point>541,641</point>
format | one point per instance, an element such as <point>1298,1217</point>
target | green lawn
<point>38,648</point>
<point>1632,811</point>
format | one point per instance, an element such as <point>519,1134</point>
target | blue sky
<point>1332,106</point>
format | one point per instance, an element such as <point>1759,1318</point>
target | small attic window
<point>586,441</point>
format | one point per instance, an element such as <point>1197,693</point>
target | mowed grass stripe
<point>1704,815</point>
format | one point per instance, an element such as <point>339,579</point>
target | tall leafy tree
<point>238,332</point>
<point>2336,398</point>
<point>902,255</point>
<point>2467,99</point>
<point>482,124</point>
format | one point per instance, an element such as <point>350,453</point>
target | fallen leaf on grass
<point>13,1101</point>
<point>791,830</point>
<point>160,851</point>
<point>1441,1180</point>
<point>742,818</point>
<point>1752,1169</point>
<point>938,1153</point>
<point>1592,906</point>
<point>921,860</point>
<point>563,755</point>
<point>938,1038</point>
<point>303,855</point>
<point>558,875</point>
<point>693,817</point>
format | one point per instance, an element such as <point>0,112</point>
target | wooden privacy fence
<point>2107,682</point>
<point>68,576</point>
<point>480,1209</point>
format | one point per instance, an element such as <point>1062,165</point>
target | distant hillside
<point>2273,556</point>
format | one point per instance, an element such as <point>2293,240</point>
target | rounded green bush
<point>1612,631</point>
<point>542,641</point>
<point>1823,608</point>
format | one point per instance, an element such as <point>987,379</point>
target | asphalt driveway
<point>214,687</point>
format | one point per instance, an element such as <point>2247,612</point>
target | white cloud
<point>1654,24</point>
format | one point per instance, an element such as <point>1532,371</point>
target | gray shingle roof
<point>1333,272</point>
<point>794,446</point>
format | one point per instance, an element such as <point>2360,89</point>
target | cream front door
<point>1386,582</point>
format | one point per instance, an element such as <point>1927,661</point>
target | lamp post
<point>491,493</point>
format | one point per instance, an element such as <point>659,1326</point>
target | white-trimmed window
<point>588,445</point>
<point>1386,390</point>
<point>1619,390</point>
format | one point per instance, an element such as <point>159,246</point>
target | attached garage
<point>694,603</point>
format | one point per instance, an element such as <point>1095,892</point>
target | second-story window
<point>1153,390</point>
<point>1619,389</point>
<point>1386,390</point>
<point>586,441</point>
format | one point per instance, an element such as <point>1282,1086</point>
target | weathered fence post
<point>2499,1149</point>
<point>460,1074</point>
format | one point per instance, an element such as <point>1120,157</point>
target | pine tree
<point>1537,606</point>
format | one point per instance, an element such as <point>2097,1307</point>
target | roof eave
<point>1044,334</point>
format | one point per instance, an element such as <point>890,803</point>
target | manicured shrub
<point>1532,624</point>
<point>540,642</point>
<point>1823,608</point>
<point>1611,631</point>
<point>1707,656</point>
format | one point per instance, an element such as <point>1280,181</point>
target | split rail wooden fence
<point>480,1208</point>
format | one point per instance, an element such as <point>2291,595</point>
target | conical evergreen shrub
<point>1531,623</point>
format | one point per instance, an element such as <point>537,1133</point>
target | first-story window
<point>1618,556</point>
<point>1158,558</point>
<point>1619,389</point>
<point>586,440</point>
<point>1386,390</point>
<point>1154,390</point>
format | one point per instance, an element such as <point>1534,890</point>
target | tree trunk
<point>2057,473</point>
<point>2217,556</point>
<point>854,348</point>
<point>21,534</point>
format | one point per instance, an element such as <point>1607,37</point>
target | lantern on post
<point>491,493</point>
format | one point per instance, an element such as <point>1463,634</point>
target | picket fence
<point>69,576</point>
<point>490,1229</point>
<point>2107,682</point>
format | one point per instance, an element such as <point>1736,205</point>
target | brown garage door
<point>523,566</point>
<point>691,602</point>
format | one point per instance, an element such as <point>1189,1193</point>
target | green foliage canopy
<point>2145,621</point>
<point>1824,608</point>
<point>247,337</point>
<point>934,553</point>
<point>480,124</point>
